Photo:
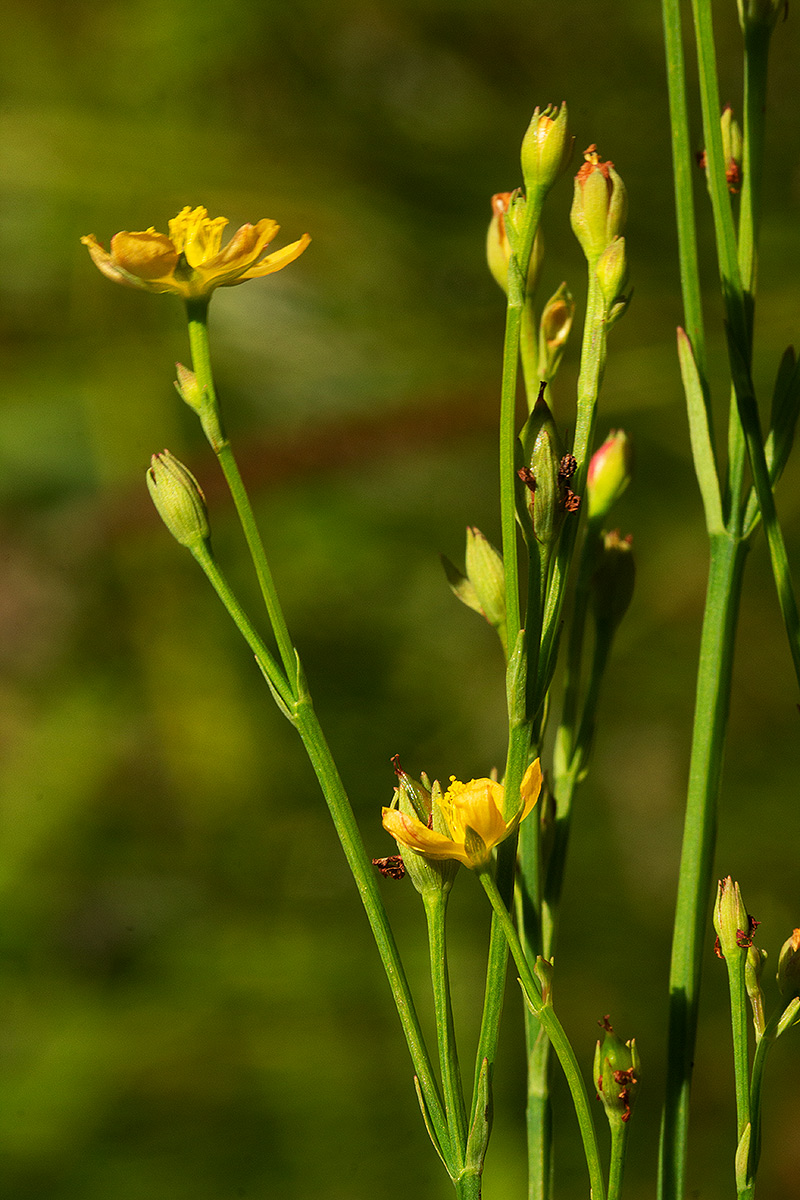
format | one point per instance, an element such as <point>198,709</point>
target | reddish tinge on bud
<point>599,205</point>
<point>498,247</point>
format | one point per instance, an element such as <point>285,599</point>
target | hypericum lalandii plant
<point>555,592</point>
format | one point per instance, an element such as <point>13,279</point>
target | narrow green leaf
<point>424,1110</point>
<point>701,436</point>
<point>783,418</point>
<point>481,1126</point>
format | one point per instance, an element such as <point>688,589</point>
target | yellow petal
<point>412,833</point>
<point>105,263</point>
<point>148,255</point>
<point>531,787</point>
<point>276,261</point>
<point>478,804</point>
<point>245,245</point>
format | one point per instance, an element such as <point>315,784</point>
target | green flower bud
<point>753,966</point>
<point>609,474</point>
<point>613,580</point>
<point>735,928</point>
<point>202,403</point>
<point>732,148</point>
<point>509,206</point>
<point>599,205</point>
<point>483,587</point>
<point>179,500</point>
<point>612,271</point>
<point>547,473</point>
<point>616,1074</point>
<point>546,148</point>
<point>554,328</point>
<point>789,967</point>
<point>764,13</point>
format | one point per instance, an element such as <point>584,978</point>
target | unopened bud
<point>616,1074</point>
<point>508,206</point>
<point>761,13</point>
<point>753,966</point>
<point>599,205</point>
<point>483,587</point>
<point>179,499</point>
<point>546,148</point>
<point>188,388</point>
<point>789,966</point>
<point>205,405</point>
<point>609,474</point>
<point>547,473</point>
<point>613,581</point>
<point>485,572</point>
<point>735,928</point>
<point>732,149</point>
<point>554,328</point>
<point>612,271</point>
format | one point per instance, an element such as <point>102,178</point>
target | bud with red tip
<point>599,205</point>
<point>509,206</point>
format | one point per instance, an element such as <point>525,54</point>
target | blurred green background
<point>190,1004</point>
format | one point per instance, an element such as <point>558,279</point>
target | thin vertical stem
<point>436,915</point>
<point>303,717</point>
<point>697,852</point>
<point>557,1036</point>
<point>197,312</point>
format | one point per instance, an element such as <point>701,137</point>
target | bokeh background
<point>191,1008</point>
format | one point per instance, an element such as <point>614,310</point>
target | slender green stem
<point>468,1187</point>
<point>538,898</point>
<point>364,875</point>
<point>436,915</point>
<point>302,715</point>
<point>529,353</point>
<point>683,171</point>
<point>765,1044</point>
<point>616,1169</point>
<point>517,274</point>
<point>697,853</point>
<point>590,378</point>
<point>197,312</point>
<point>519,727</point>
<point>741,1058</point>
<point>556,1034</point>
<point>263,657</point>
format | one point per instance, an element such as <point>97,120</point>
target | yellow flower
<point>189,262</point>
<point>472,815</point>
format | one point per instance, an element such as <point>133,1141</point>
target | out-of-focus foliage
<point>190,1005</point>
